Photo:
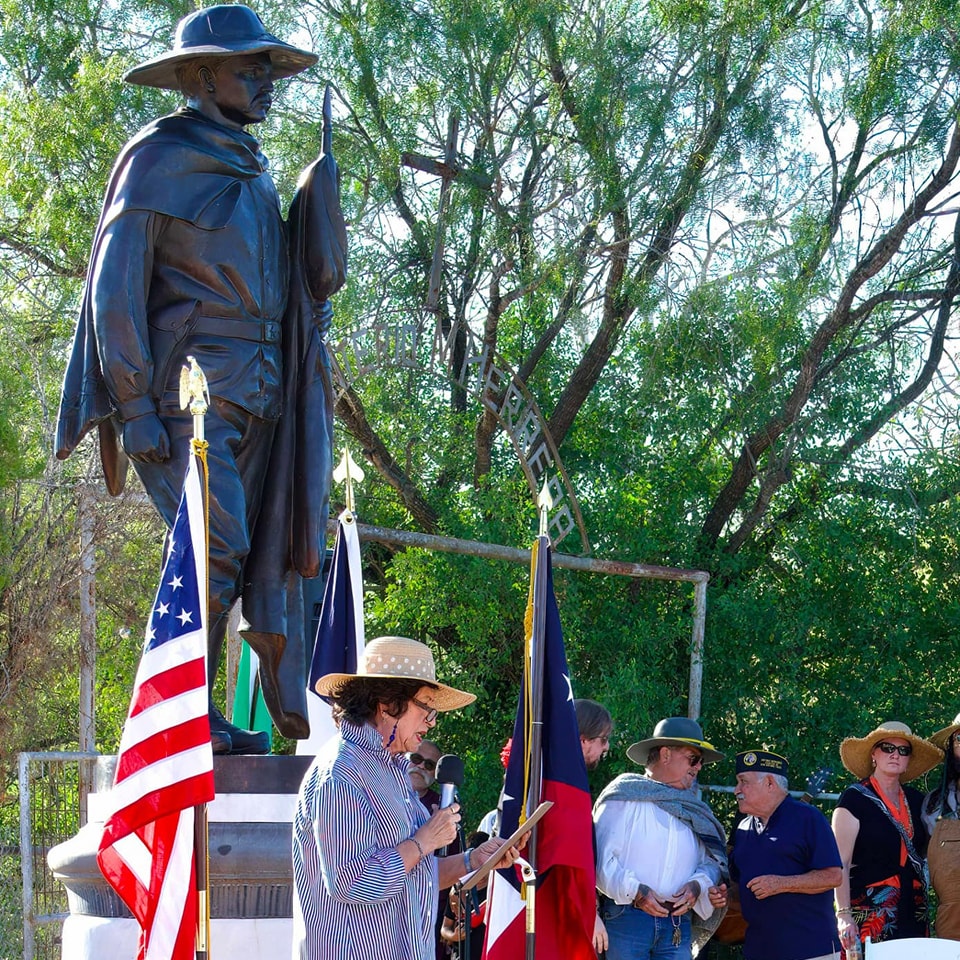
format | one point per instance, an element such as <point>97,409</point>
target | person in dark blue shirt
<point>785,860</point>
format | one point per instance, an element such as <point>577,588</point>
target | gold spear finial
<point>193,388</point>
<point>544,503</point>
<point>348,471</point>
<point>194,393</point>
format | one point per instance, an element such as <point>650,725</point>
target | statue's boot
<point>222,732</point>
<point>220,741</point>
<point>282,660</point>
<point>241,741</point>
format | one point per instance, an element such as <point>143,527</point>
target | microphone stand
<point>472,904</point>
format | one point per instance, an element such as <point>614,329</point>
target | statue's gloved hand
<point>145,439</point>
<point>322,317</point>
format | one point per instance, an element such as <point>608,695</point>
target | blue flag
<point>340,634</point>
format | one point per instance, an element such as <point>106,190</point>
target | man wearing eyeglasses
<point>660,850</point>
<point>786,862</point>
<point>423,773</point>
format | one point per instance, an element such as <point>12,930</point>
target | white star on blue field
<point>177,607</point>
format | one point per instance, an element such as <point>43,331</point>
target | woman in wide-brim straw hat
<point>366,869</point>
<point>882,837</point>
<point>941,815</point>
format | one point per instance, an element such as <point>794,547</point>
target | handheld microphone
<point>449,775</point>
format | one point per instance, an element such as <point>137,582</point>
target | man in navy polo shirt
<point>785,859</point>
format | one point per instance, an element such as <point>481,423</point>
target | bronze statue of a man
<point>192,256</point>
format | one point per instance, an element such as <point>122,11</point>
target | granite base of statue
<point>251,872</point>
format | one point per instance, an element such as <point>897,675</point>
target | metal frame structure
<point>640,571</point>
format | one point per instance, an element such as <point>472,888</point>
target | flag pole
<point>195,394</point>
<point>537,635</point>
<point>529,878</point>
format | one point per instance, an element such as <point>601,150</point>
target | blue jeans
<point>635,935</point>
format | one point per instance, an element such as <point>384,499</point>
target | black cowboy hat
<point>673,732</point>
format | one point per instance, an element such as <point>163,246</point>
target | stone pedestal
<point>251,875</point>
<point>86,938</point>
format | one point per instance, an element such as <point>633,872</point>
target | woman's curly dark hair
<point>357,700</point>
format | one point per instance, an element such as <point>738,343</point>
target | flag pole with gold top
<point>195,394</point>
<point>535,632</point>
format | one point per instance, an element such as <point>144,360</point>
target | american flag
<point>566,896</point>
<point>165,763</point>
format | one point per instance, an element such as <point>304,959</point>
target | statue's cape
<point>181,165</point>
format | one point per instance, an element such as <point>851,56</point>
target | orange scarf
<point>902,815</point>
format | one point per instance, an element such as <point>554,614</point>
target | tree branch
<point>350,410</point>
<point>758,443</point>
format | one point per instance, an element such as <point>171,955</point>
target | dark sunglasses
<point>694,759</point>
<point>424,762</point>
<point>904,750</point>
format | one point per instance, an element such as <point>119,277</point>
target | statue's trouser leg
<point>283,657</point>
<point>237,456</point>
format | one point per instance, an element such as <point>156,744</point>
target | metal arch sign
<point>482,374</point>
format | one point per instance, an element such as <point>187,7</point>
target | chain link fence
<point>53,796</point>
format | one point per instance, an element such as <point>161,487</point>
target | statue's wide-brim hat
<point>397,658</point>
<point>855,751</point>
<point>227,30</point>
<point>942,737</point>
<point>674,732</point>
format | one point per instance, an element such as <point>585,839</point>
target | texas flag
<point>566,896</point>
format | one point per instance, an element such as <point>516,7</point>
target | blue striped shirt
<point>353,899</point>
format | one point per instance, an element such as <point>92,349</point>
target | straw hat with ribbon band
<point>855,751</point>
<point>942,737</point>
<point>674,732</point>
<point>228,30</point>
<point>397,658</point>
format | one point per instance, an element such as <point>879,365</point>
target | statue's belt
<point>257,329</point>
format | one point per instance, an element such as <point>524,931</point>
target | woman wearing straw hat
<point>941,815</point>
<point>881,836</point>
<point>366,873</point>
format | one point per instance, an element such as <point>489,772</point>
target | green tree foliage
<point>714,239</point>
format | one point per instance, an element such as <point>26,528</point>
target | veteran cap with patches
<point>762,761</point>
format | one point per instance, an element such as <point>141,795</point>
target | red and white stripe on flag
<point>506,919</point>
<point>165,763</point>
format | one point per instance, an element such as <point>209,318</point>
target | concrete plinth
<point>117,938</point>
<point>251,875</point>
